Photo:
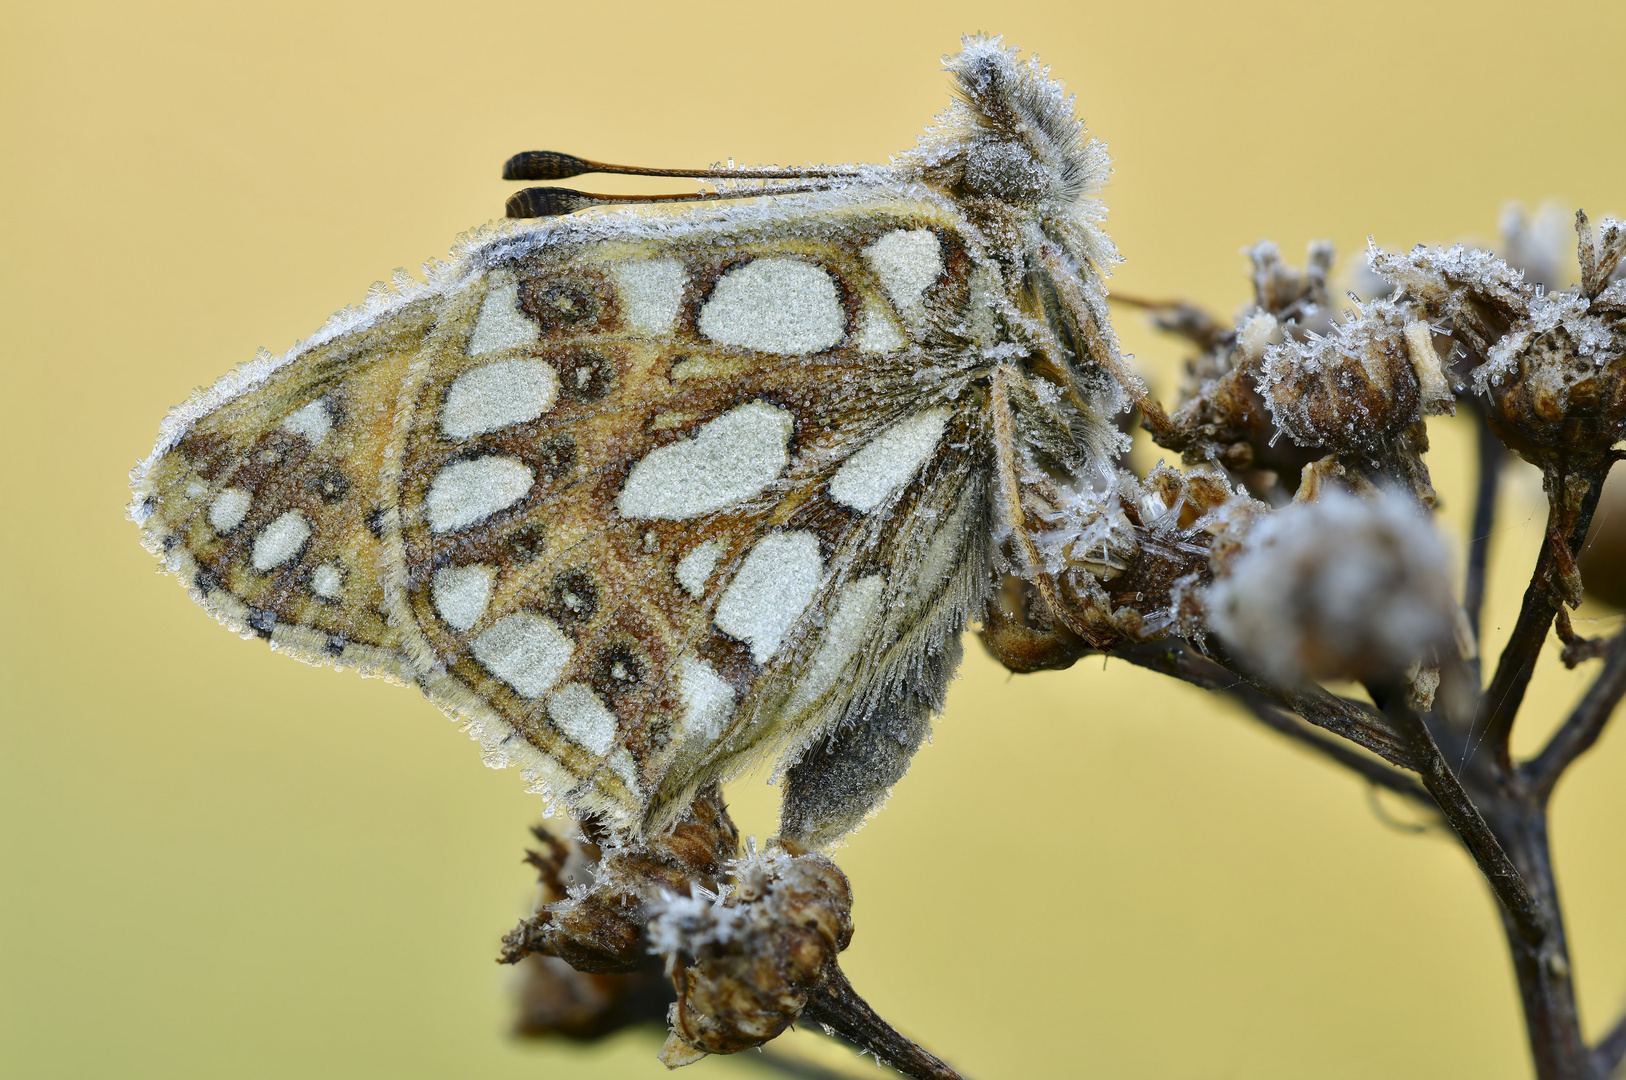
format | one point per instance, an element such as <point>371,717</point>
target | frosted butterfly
<point>643,493</point>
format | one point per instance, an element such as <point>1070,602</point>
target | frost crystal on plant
<point>1341,587</point>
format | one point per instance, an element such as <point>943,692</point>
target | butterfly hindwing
<point>266,500</point>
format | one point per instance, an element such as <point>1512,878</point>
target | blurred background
<point>215,861</point>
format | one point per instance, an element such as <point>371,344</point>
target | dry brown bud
<point>1287,386</point>
<point>1554,363</point>
<point>1556,403</point>
<point>1557,378</point>
<point>1356,389</point>
<point>596,923</point>
<point>1222,415</point>
<point>1117,557</point>
<point>745,963</point>
<point>747,944</point>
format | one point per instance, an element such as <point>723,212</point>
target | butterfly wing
<point>263,492</point>
<point>639,497</point>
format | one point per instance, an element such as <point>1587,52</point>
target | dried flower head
<point>1338,587</point>
<point>1118,554</point>
<point>598,895</point>
<point>1557,379</point>
<point>1359,386</point>
<point>745,961</point>
<point>1553,364</point>
<point>1222,415</point>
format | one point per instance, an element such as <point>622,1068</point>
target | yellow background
<point>219,862</point>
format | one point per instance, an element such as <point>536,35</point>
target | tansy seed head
<point>1356,388</point>
<point>1337,588</point>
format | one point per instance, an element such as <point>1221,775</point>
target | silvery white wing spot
<point>642,493</point>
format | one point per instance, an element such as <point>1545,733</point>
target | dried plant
<point>1296,549</point>
<point>643,495</point>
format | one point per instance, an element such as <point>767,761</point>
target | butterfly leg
<point>1022,647</point>
<point>1089,321</point>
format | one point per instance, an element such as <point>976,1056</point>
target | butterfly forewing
<point>636,507</point>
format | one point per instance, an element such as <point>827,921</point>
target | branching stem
<point>1349,719</point>
<point>1471,828</point>
<point>1583,726</point>
<point>1280,720</point>
<point>1571,500</point>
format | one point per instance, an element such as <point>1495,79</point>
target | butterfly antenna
<point>540,202</point>
<point>550,165</point>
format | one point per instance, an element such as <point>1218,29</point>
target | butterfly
<point>643,490</point>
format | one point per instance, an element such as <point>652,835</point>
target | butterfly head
<point>1010,135</point>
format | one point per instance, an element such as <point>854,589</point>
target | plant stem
<point>1529,921</point>
<point>834,1002</point>
<point>1543,968</point>
<point>1491,457</point>
<point>1584,725</point>
<point>1278,719</point>
<point>1349,719</point>
<point>1571,499</point>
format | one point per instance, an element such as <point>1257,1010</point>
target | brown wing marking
<point>621,395</point>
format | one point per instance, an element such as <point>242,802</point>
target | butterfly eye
<point>1004,169</point>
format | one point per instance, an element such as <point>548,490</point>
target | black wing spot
<point>561,305</point>
<point>526,544</point>
<point>330,484</point>
<point>555,457</point>
<point>620,671</point>
<point>573,599</point>
<point>262,622</point>
<point>587,377</point>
